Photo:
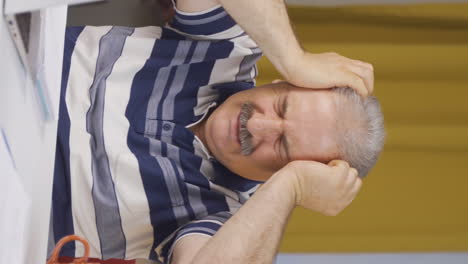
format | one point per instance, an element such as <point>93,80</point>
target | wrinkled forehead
<point>307,100</point>
<point>325,95</point>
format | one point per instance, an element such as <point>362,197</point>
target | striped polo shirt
<point>130,177</point>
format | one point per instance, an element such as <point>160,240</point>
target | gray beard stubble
<point>245,137</point>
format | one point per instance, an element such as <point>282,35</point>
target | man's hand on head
<point>327,189</point>
<point>328,70</point>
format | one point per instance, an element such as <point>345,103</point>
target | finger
<point>338,163</point>
<point>351,195</point>
<point>277,81</point>
<point>354,81</point>
<point>364,64</point>
<point>351,178</point>
<point>356,187</point>
<point>341,168</point>
<point>353,174</point>
<point>370,70</point>
<point>365,74</point>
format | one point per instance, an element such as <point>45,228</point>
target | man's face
<point>285,123</point>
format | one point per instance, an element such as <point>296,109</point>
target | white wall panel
<point>365,2</point>
<point>32,141</point>
<point>18,6</point>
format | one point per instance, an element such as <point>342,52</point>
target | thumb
<point>305,167</point>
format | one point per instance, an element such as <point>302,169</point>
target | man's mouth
<point>237,128</point>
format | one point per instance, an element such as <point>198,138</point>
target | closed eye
<point>281,110</point>
<point>282,144</point>
<point>279,146</point>
<point>284,140</point>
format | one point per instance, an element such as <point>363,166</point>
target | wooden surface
<point>416,199</point>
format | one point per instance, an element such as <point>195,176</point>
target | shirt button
<point>167,127</point>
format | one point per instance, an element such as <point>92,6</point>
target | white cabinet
<point>18,6</point>
<point>26,167</point>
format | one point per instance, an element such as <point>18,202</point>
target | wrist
<point>290,60</point>
<point>283,184</point>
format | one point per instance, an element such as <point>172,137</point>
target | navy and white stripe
<point>106,207</point>
<point>61,215</point>
<point>130,176</point>
<point>209,23</point>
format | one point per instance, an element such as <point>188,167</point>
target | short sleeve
<point>212,24</point>
<point>207,226</point>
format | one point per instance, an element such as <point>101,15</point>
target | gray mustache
<point>245,137</point>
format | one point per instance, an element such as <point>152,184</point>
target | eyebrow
<point>286,141</point>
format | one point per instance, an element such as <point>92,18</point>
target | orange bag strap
<point>55,254</point>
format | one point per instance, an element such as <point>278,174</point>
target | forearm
<point>267,22</point>
<point>253,234</point>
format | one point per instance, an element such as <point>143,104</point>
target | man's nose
<point>264,128</point>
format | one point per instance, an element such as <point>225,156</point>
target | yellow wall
<point>416,199</point>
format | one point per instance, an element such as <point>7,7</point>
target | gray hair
<point>360,129</point>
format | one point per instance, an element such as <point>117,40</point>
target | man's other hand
<point>327,189</point>
<point>328,70</point>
